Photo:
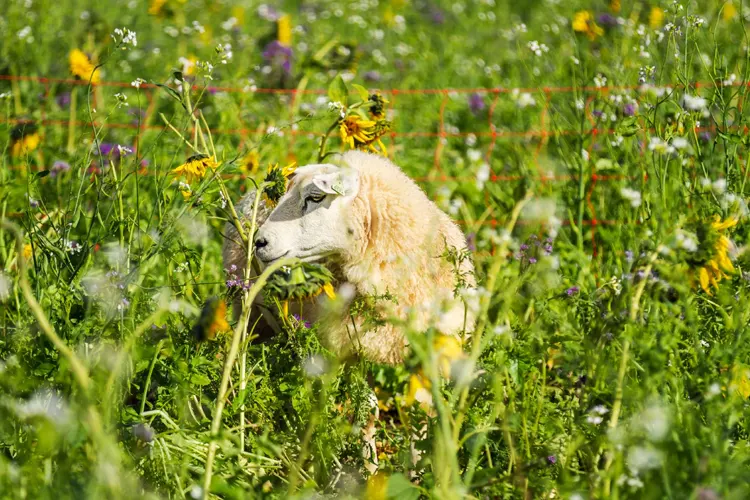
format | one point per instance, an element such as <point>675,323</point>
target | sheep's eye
<point>315,199</point>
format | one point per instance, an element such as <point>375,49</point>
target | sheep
<point>379,233</point>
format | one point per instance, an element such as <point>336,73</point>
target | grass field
<point>594,153</point>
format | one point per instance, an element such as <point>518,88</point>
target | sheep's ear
<point>345,182</point>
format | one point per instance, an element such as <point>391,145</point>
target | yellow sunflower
<point>278,179</point>
<point>583,22</point>
<point>710,261</point>
<point>196,167</point>
<point>360,133</point>
<point>250,162</point>
<point>82,67</point>
<point>24,139</point>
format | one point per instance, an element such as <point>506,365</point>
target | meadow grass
<point>593,152</point>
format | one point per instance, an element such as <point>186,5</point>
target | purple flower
<point>705,136</point>
<point>629,255</point>
<point>372,76</point>
<point>301,321</point>
<point>552,459</point>
<point>629,109</point>
<point>63,99</point>
<point>144,432</point>
<point>532,260</point>
<point>572,291</point>
<point>471,241</point>
<point>436,15</point>
<point>597,113</point>
<point>279,55</point>
<point>548,249</point>
<point>524,247</point>
<point>59,167</point>
<point>607,20</point>
<point>476,103</point>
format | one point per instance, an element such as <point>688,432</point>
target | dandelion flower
<point>656,17</point>
<point>27,251</point>
<point>710,262</point>
<point>583,22</point>
<point>24,139</point>
<point>196,167</point>
<point>82,67</point>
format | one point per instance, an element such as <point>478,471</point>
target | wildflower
<point>655,17</point>
<point>419,391</point>
<point>81,67</point>
<point>185,190</point>
<point>196,167</point>
<point>729,11</point>
<point>740,381</point>
<point>278,177</point>
<point>59,167</point>
<point>607,20</point>
<point>250,163</point>
<point>583,22</point>
<point>448,349</point>
<point>124,37</point>
<point>24,139</point>
<point>212,320</point>
<point>360,133</point>
<point>476,103</point>
<point>711,260</point>
<point>614,6</point>
<point>277,54</point>
<point>573,290</point>
<point>694,103</point>
<point>633,196</point>
<point>552,459</point>
<point>137,83</point>
<point>63,99</point>
<point>144,432</point>
<point>284,30</point>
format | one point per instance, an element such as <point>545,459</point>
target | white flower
<point>124,150</point>
<point>633,196</point>
<point>713,390</point>
<point>314,366</point>
<point>599,410</point>
<point>483,174</point>
<point>600,81</point>
<point>594,419</point>
<point>124,37</point>
<point>641,459</point>
<point>137,83</point>
<point>705,344</point>
<point>680,142</point>
<point>474,155</point>
<point>654,420</point>
<point>694,103</point>
<point>658,145</point>
<point>537,48</point>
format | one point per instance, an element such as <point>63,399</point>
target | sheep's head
<point>312,220</point>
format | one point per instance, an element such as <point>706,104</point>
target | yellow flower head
<point>377,487</point>
<point>81,66</point>
<point>212,320</point>
<point>448,349</point>
<point>419,391</point>
<point>284,28</point>
<point>278,178</point>
<point>711,260</point>
<point>27,251</point>
<point>656,17</point>
<point>196,167</point>
<point>583,22</point>
<point>250,162</point>
<point>360,133</point>
<point>24,139</point>
<point>614,6</point>
<point>729,11</point>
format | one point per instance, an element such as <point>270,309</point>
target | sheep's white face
<point>312,220</point>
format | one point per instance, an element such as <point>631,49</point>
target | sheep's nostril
<point>261,242</point>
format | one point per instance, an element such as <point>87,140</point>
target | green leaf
<point>604,164</point>
<point>628,127</point>
<point>170,91</point>
<point>199,379</point>
<point>364,94</point>
<point>43,173</point>
<point>401,488</point>
<point>337,91</point>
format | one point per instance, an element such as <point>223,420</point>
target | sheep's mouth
<point>268,261</point>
